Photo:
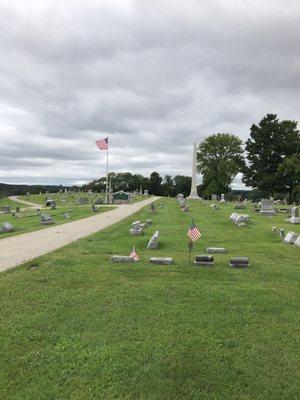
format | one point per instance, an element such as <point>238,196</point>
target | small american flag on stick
<point>193,232</point>
<point>102,144</point>
<point>134,255</point>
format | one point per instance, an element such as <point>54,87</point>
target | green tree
<point>155,184</point>
<point>168,186</point>
<point>220,158</point>
<point>270,142</point>
<point>182,184</point>
<point>289,173</point>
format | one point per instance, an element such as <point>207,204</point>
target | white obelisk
<point>194,195</point>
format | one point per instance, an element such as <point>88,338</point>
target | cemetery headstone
<point>121,259</point>
<point>161,260</point>
<point>220,250</point>
<point>297,241</point>
<point>153,242</point>
<point>290,237</point>
<point>214,197</point>
<point>6,227</point>
<point>204,261</point>
<point>239,262</point>
<point>295,218</point>
<point>222,200</point>
<point>267,207</point>
<point>46,219</point>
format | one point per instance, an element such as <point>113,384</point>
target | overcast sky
<point>153,75</point>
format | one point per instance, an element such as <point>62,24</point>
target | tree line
<point>269,160</point>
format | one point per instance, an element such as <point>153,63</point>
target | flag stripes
<point>193,232</point>
<point>102,144</point>
<point>134,255</point>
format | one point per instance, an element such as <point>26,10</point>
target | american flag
<point>134,255</point>
<point>102,144</point>
<point>193,232</point>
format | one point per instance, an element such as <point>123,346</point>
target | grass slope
<point>78,327</point>
<point>31,221</point>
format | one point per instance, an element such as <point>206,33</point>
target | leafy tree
<point>155,183</point>
<point>168,186</point>
<point>270,142</point>
<point>289,173</point>
<point>220,158</point>
<point>182,184</point>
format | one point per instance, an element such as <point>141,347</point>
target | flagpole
<point>107,174</point>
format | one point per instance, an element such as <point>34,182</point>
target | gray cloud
<point>155,76</point>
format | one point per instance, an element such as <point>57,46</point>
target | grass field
<point>67,199</point>
<point>7,202</point>
<point>31,221</point>
<point>78,327</point>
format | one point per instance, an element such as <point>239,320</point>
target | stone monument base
<point>294,220</point>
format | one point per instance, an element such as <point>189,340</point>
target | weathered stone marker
<point>204,261</point>
<point>6,227</point>
<point>290,237</point>
<point>46,219</point>
<point>295,218</point>
<point>220,250</point>
<point>121,259</point>
<point>267,207</point>
<point>239,262</point>
<point>153,242</point>
<point>161,260</point>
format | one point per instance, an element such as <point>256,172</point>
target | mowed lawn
<point>76,326</point>
<point>30,220</point>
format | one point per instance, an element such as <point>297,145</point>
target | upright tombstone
<point>267,207</point>
<point>194,194</point>
<point>146,192</point>
<point>214,197</point>
<point>295,218</point>
<point>153,242</point>
<point>222,198</point>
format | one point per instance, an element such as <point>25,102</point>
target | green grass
<point>79,327</point>
<point>68,198</point>
<point>7,202</point>
<point>30,221</point>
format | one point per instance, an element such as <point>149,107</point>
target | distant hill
<point>15,190</point>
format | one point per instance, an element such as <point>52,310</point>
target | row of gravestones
<point>202,260</point>
<point>267,208</point>
<point>182,202</point>
<point>208,260</point>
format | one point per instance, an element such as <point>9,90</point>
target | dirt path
<point>16,250</point>
<point>27,203</point>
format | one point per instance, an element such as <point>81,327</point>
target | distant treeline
<point>16,190</point>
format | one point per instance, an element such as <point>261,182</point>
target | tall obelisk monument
<point>194,195</point>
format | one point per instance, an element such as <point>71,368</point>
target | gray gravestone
<point>295,218</point>
<point>237,262</point>
<point>290,237</point>
<point>267,207</point>
<point>220,250</point>
<point>46,219</point>
<point>204,261</point>
<point>122,259</point>
<point>161,260</point>
<point>6,227</point>
<point>153,242</point>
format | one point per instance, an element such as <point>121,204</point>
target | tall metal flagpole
<point>107,172</point>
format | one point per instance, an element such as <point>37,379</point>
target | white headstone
<point>295,218</point>
<point>222,198</point>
